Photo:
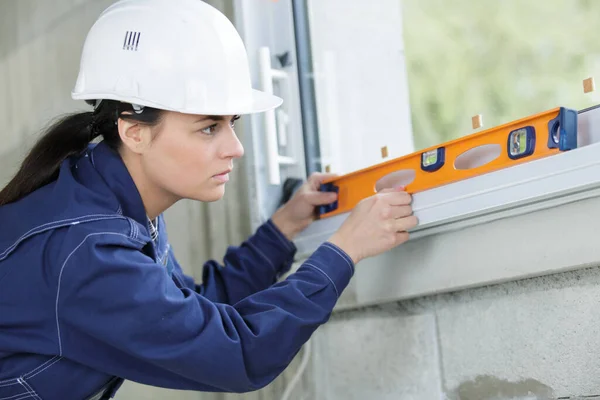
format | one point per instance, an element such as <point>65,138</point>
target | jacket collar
<point>112,169</point>
<point>109,165</point>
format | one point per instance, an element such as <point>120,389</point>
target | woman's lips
<point>223,176</point>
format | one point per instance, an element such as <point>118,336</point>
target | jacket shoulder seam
<point>56,224</point>
<point>60,347</point>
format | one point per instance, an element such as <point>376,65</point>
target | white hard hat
<point>178,55</point>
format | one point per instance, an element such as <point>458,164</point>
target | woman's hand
<point>377,224</point>
<point>299,211</point>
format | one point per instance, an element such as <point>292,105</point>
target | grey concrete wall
<point>532,339</point>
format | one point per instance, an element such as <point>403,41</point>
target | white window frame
<point>257,22</point>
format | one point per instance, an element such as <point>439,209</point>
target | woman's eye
<point>209,130</point>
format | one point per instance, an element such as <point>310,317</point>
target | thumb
<point>318,177</point>
<point>320,198</point>
<point>322,176</point>
<point>392,189</point>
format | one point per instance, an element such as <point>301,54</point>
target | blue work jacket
<point>86,295</point>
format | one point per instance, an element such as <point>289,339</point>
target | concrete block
<point>377,355</point>
<point>535,339</point>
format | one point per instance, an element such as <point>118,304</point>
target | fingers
<point>404,224</point>
<point>398,218</point>
<point>400,211</point>
<point>396,198</point>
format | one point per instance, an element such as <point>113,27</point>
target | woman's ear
<point>135,136</point>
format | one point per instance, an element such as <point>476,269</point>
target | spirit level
<point>534,137</point>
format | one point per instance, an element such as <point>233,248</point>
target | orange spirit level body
<point>516,142</point>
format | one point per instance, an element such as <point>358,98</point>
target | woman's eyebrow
<point>210,117</point>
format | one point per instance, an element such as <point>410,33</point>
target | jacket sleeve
<point>118,312</point>
<point>251,267</point>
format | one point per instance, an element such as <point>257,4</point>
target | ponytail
<point>70,136</point>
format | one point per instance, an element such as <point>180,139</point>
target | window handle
<point>267,76</point>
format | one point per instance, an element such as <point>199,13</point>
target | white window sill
<point>528,220</point>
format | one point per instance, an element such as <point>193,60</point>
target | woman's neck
<point>156,200</point>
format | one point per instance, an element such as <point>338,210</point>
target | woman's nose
<point>233,148</point>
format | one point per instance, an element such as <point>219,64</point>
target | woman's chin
<point>214,194</point>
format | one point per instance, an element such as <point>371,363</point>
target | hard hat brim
<point>263,101</point>
<point>260,102</point>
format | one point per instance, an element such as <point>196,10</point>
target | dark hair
<point>70,136</point>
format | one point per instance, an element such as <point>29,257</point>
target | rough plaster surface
<point>542,334</point>
<point>377,355</point>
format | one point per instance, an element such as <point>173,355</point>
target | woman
<point>90,291</point>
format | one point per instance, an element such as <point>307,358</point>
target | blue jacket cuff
<point>334,263</point>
